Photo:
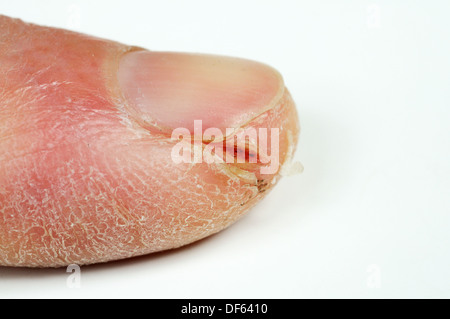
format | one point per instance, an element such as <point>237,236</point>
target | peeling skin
<point>83,179</point>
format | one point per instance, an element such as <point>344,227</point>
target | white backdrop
<point>370,215</point>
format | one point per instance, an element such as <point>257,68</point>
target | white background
<point>370,215</point>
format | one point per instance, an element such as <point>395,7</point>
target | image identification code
<point>235,308</point>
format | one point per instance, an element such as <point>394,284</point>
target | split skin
<point>87,173</point>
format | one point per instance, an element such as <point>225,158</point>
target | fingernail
<point>174,89</point>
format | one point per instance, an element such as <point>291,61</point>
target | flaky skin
<point>82,179</point>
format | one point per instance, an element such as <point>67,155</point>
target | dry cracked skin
<point>86,173</point>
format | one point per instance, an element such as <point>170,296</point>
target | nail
<point>175,89</point>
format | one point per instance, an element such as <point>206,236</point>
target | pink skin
<point>86,174</point>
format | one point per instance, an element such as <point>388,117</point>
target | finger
<point>87,168</point>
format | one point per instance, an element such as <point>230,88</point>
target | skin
<point>86,173</point>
